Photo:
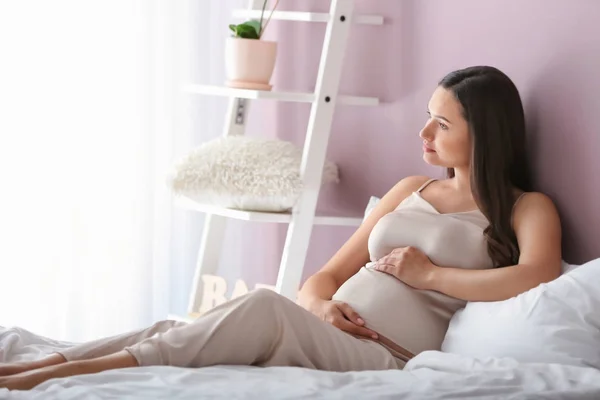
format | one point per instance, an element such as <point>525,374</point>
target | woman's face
<point>446,139</point>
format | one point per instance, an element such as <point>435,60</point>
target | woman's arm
<point>354,254</point>
<point>537,227</point>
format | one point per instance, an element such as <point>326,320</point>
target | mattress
<point>430,375</point>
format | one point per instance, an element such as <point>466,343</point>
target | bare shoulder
<point>534,202</point>
<point>409,184</point>
<point>534,209</point>
<point>396,195</point>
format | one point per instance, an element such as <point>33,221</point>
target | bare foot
<point>19,382</point>
<point>27,380</point>
<point>17,368</point>
<point>30,379</point>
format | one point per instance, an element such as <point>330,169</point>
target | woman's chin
<point>432,159</point>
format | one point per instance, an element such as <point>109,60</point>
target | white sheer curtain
<point>91,117</point>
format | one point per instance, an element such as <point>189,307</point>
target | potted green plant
<point>249,60</point>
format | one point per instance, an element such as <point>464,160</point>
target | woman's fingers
<point>350,314</point>
<point>383,260</point>
<point>387,268</point>
<point>350,327</point>
<point>352,322</point>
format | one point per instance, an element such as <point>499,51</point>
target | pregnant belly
<point>416,320</point>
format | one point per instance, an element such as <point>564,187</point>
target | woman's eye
<point>443,126</point>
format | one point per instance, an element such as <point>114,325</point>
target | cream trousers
<point>261,328</point>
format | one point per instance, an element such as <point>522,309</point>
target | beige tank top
<point>416,320</point>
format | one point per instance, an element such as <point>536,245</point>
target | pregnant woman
<point>389,293</point>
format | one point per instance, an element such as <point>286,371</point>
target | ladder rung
<point>307,16</point>
<point>299,97</point>
<point>258,216</point>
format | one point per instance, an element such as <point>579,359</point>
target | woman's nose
<point>425,133</point>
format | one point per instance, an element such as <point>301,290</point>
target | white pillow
<point>245,173</point>
<point>557,322</point>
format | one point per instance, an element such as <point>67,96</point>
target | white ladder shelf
<point>323,100</point>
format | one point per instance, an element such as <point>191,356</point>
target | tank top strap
<point>519,199</point>
<point>425,185</point>
<point>512,213</point>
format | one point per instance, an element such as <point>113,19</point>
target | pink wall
<point>550,48</point>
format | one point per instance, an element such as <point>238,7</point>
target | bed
<point>431,375</point>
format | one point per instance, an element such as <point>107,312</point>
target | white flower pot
<point>249,63</point>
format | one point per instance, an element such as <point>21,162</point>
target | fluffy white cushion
<point>557,322</point>
<point>244,173</point>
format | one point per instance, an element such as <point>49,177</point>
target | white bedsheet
<point>431,375</point>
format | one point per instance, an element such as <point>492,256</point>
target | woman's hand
<point>410,265</point>
<point>342,316</point>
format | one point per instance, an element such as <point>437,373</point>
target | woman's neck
<point>462,180</point>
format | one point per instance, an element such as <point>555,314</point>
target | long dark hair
<point>493,109</point>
